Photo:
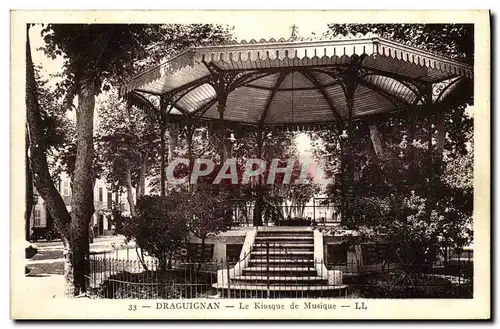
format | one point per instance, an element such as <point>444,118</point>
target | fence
<point>275,274</point>
<point>314,212</point>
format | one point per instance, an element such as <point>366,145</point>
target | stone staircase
<point>281,264</point>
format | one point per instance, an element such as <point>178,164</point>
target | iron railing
<point>263,277</point>
<point>316,212</point>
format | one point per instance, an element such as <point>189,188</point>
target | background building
<point>104,201</point>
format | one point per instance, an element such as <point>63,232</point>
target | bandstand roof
<point>300,82</point>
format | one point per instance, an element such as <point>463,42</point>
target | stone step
<point>288,249</point>
<point>282,262</point>
<point>277,271</point>
<point>287,287</point>
<point>313,279</point>
<point>288,240</point>
<point>280,268</point>
<point>284,237</point>
<point>284,245</point>
<point>281,252</point>
<point>273,234</point>
<point>287,257</point>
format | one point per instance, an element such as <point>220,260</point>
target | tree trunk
<point>189,139</point>
<point>441,133</point>
<point>130,197</point>
<point>29,190</point>
<point>76,264</point>
<point>376,141</point>
<point>285,208</point>
<point>38,160</point>
<point>50,220</point>
<point>163,264</point>
<point>82,200</point>
<point>140,256</point>
<point>74,228</point>
<point>173,132</point>
<point>91,210</point>
<point>170,256</point>
<point>138,189</point>
<point>302,208</point>
<point>430,169</point>
<point>141,189</point>
<point>162,159</point>
<point>441,137</point>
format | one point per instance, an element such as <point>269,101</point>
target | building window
<point>100,194</point>
<point>65,190</point>
<point>110,200</point>
<point>37,217</point>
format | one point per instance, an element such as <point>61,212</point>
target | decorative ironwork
<point>439,88</point>
<point>153,99</point>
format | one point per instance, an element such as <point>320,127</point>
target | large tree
<point>95,56</point>
<point>56,129</point>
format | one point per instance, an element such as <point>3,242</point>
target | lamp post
<point>232,140</point>
<point>344,140</point>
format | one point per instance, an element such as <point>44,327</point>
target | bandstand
<point>298,85</point>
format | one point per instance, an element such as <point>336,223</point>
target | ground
<point>46,280</point>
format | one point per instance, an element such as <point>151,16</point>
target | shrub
<point>160,225</point>
<point>150,285</point>
<point>402,285</point>
<point>209,213</point>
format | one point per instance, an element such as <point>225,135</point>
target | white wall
<point>64,188</point>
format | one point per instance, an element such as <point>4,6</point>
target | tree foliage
<point>160,226</point>
<point>95,57</point>
<point>419,199</point>
<point>108,53</point>
<point>54,120</point>
<point>210,211</point>
<point>451,40</point>
<point>127,145</point>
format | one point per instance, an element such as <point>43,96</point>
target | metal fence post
<point>228,281</point>
<point>459,274</point>
<point>267,266</point>
<point>314,209</point>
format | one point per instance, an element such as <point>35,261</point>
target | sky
<point>245,28</point>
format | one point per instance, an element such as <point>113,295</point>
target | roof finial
<point>294,32</point>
